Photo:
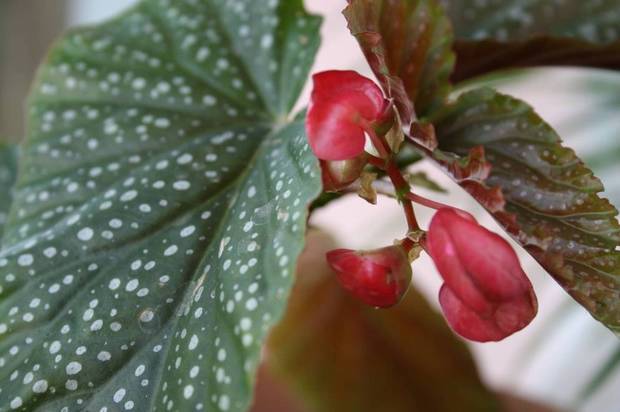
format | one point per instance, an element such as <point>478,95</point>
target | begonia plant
<point>157,209</point>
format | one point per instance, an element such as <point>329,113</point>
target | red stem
<point>412,223</point>
<point>402,188</point>
<point>376,161</point>
<point>378,142</point>
<point>389,165</point>
<point>425,202</point>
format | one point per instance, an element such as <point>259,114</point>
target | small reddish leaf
<point>471,172</point>
<point>491,198</point>
<point>469,167</point>
<point>560,218</point>
<point>424,134</point>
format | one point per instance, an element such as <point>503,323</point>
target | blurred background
<point>564,358</point>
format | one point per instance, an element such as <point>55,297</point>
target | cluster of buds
<point>485,296</point>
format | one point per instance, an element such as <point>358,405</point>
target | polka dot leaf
<point>499,34</point>
<point>408,46</point>
<point>159,211</point>
<point>560,217</point>
<point>8,174</point>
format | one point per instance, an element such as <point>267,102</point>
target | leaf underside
<point>493,35</point>
<point>562,221</point>
<point>8,174</point>
<point>159,211</point>
<point>342,355</point>
<point>408,46</point>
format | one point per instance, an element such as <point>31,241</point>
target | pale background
<point>554,357</point>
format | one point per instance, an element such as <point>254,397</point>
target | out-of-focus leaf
<point>561,219</point>
<point>273,395</point>
<point>512,403</point>
<point>342,355</point>
<point>407,156</point>
<point>499,34</point>
<point>408,46</point>
<point>421,179</point>
<point>159,211</point>
<point>8,174</point>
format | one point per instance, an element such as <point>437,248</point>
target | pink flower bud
<point>378,277</point>
<point>486,296</point>
<point>342,102</point>
<point>338,174</point>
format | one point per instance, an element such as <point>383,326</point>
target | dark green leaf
<point>408,46</point>
<point>160,209</point>
<point>494,34</point>
<point>345,356</point>
<point>509,20</point>
<point>561,219</point>
<point>8,174</point>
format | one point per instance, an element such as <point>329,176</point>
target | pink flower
<point>486,296</point>
<point>341,105</point>
<point>378,277</point>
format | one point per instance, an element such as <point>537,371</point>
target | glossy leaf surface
<point>561,219</point>
<point>160,209</point>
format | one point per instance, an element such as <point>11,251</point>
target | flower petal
<point>486,295</point>
<point>466,322</point>
<point>340,103</point>
<point>509,317</point>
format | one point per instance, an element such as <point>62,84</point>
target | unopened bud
<point>486,296</point>
<point>378,277</point>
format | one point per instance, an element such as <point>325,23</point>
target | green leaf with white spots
<point>500,34</point>
<point>8,174</point>
<point>554,198</point>
<point>160,209</point>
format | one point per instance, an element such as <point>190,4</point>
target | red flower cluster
<point>486,296</point>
